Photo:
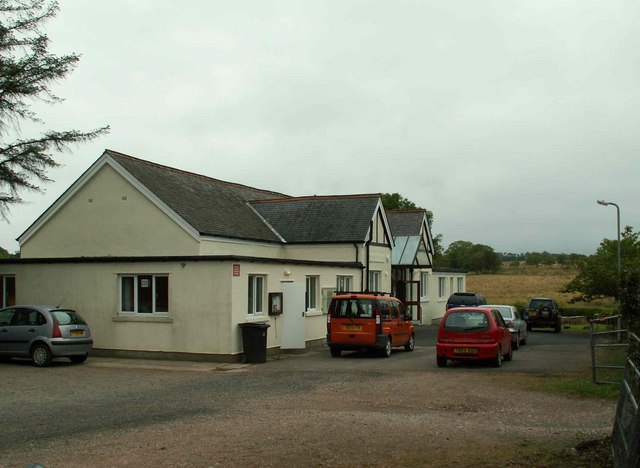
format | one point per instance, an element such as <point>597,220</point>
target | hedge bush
<point>588,312</point>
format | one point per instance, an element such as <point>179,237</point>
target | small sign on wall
<point>275,303</point>
<point>236,269</point>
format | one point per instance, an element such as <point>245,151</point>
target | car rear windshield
<point>464,300</point>
<point>537,303</point>
<point>506,312</point>
<point>67,317</point>
<point>353,308</point>
<point>466,322</point>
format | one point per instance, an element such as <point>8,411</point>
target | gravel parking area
<point>296,410</point>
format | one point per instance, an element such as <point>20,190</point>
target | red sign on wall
<point>236,269</point>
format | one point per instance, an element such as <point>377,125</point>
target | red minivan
<point>473,333</point>
<point>358,321</point>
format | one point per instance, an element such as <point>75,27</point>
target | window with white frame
<point>311,294</point>
<point>442,285</point>
<point>144,294</point>
<point>7,291</point>
<point>460,284</point>
<point>343,283</point>
<point>424,285</point>
<point>256,295</point>
<point>374,281</point>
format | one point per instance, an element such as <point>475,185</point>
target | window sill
<point>135,318</point>
<point>313,313</point>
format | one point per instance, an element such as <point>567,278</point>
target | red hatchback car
<point>473,333</point>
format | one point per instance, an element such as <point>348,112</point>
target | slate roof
<point>213,207</point>
<point>405,222</point>
<point>320,219</point>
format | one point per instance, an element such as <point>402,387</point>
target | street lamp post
<point>604,203</point>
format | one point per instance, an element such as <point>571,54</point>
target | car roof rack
<point>373,293</point>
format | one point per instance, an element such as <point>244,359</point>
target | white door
<point>293,332</point>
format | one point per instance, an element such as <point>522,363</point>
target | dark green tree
<point>457,254</point>
<point>471,257</point>
<point>598,273</point>
<point>533,258</point>
<point>27,69</point>
<point>395,201</point>
<point>630,300</point>
<point>4,253</point>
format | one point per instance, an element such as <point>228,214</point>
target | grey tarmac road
<point>168,413</point>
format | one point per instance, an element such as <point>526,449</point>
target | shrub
<point>520,305</point>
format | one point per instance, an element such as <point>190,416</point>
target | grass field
<point>518,284</point>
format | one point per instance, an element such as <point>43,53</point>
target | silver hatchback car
<point>515,322</point>
<point>43,333</point>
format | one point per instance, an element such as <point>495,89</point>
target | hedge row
<point>588,312</point>
<point>577,311</point>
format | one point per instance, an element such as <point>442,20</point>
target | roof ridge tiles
<point>194,174</point>
<point>317,197</point>
<point>417,210</point>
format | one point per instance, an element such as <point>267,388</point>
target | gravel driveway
<point>296,410</point>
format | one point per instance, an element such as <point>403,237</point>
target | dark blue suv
<point>465,299</point>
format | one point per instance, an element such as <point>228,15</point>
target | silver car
<point>43,333</point>
<point>515,322</point>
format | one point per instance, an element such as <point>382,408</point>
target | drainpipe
<point>355,244</point>
<point>368,244</point>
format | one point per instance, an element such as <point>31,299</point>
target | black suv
<point>465,299</point>
<point>543,312</point>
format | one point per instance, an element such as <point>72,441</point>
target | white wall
<point>433,307</point>
<point>109,217</point>
<point>199,301</point>
<point>206,302</point>
<point>315,321</point>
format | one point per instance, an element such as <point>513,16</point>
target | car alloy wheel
<point>411,345</point>
<point>386,351</point>
<point>41,356</point>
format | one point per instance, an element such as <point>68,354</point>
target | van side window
<point>404,313</point>
<point>394,310</point>
<point>384,310</point>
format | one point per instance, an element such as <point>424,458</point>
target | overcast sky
<point>507,119</point>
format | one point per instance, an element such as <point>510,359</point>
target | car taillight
<point>56,331</point>
<point>486,339</point>
<point>378,322</point>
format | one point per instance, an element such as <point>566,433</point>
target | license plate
<point>465,350</point>
<point>351,327</point>
<point>77,332</point>
<point>533,313</point>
